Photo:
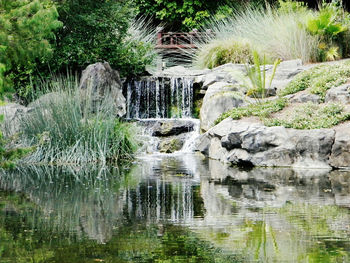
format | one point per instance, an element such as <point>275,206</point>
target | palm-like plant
<point>259,82</point>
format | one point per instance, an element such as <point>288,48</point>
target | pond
<point>174,209</point>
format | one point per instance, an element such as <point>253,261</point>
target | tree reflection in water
<point>174,209</point>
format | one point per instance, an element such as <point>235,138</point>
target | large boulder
<point>171,127</point>
<point>245,143</point>
<point>13,114</point>
<point>100,82</point>
<point>219,98</point>
<point>340,156</point>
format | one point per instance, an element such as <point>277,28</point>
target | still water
<point>174,209</point>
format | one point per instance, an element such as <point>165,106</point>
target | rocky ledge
<point>246,143</point>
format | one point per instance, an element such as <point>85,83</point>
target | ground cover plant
<point>311,116</point>
<point>65,127</point>
<point>319,79</point>
<point>262,110</point>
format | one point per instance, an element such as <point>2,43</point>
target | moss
<point>262,110</point>
<point>312,116</point>
<point>319,79</point>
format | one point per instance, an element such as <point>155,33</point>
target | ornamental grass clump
<point>65,129</point>
<point>279,35</point>
<point>224,51</point>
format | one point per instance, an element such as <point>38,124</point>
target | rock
<point>99,82</point>
<point>340,156</point>
<point>305,97</point>
<point>210,80</point>
<point>339,94</point>
<point>203,143</point>
<point>254,144</point>
<point>182,71</point>
<point>172,127</point>
<point>216,151</point>
<point>286,70</point>
<point>13,114</point>
<point>219,98</point>
<point>170,145</point>
<point>46,99</point>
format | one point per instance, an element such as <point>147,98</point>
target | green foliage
<point>291,6</point>
<point>64,129</point>
<point>329,25</point>
<point>226,51</point>
<point>262,110</point>
<point>26,28</point>
<point>319,79</point>
<point>257,76</point>
<point>312,116</point>
<point>99,32</point>
<point>179,14</point>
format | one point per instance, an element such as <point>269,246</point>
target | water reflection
<point>175,208</point>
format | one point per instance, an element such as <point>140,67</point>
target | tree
<point>94,31</point>
<point>26,28</point>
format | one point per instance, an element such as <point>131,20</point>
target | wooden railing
<point>179,40</point>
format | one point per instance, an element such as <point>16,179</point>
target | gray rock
<point>13,114</point>
<point>172,127</point>
<point>219,98</point>
<point>339,94</point>
<point>203,143</point>
<point>305,97</point>
<point>182,71</point>
<point>340,156</point>
<point>99,82</point>
<point>246,143</point>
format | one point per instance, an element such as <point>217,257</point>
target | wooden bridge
<point>180,40</point>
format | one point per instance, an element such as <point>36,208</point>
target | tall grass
<point>66,127</point>
<point>278,35</point>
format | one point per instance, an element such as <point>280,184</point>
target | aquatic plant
<point>63,128</point>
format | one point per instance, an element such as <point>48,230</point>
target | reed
<point>64,129</point>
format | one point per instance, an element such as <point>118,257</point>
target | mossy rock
<point>170,145</point>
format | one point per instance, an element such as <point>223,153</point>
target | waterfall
<point>159,97</point>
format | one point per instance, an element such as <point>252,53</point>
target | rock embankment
<point>244,143</point>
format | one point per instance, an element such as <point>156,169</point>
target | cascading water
<point>152,99</point>
<point>159,97</point>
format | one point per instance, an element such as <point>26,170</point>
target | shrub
<point>319,79</point>
<point>262,110</point>
<point>65,131</point>
<point>312,116</point>
<point>328,26</point>
<point>226,51</point>
<point>26,28</point>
